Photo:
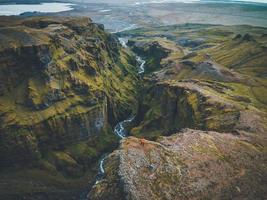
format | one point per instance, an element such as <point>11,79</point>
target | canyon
<point>204,125</point>
<point>76,101</point>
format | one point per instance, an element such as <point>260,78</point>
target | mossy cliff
<point>152,51</point>
<point>210,78</point>
<point>64,82</point>
<point>169,106</point>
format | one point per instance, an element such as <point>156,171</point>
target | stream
<point>121,132</point>
<point>120,129</point>
<point>140,61</point>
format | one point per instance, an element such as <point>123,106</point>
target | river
<point>120,129</point>
<point>121,132</point>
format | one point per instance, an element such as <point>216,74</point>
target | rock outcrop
<point>191,164</point>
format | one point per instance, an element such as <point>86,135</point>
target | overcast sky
<point>136,1</point>
<point>258,1</point>
<point>161,1</point>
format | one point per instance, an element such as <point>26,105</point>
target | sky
<point>190,1</point>
<point>185,1</point>
<point>140,1</point>
<point>257,1</point>
<point>162,1</point>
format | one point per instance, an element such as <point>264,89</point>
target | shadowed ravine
<point>121,132</point>
<point>119,129</point>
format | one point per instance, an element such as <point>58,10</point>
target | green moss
<point>254,147</point>
<point>260,93</point>
<point>47,166</point>
<point>62,159</point>
<point>209,149</point>
<point>193,102</point>
<point>31,183</point>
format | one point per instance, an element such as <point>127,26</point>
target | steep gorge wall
<point>22,144</point>
<point>57,78</point>
<point>170,106</point>
<point>153,52</point>
<point>17,62</point>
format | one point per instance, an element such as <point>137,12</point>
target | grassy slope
<point>237,53</point>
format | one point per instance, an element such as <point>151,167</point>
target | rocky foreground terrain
<point>200,104</point>
<point>190,164</point>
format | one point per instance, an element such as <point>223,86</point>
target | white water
<point>102,166</point>
<point>101,170</point>
<point>140,61</point>
<point>17,9</point>
<point>123,42</point>
<point>119,129</point>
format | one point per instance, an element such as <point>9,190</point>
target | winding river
<point>120,129</point>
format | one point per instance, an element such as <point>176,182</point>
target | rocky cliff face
<point>63,83</point>
<point>152,51</point>
<point>191,164</point>
<point>169,106</point>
